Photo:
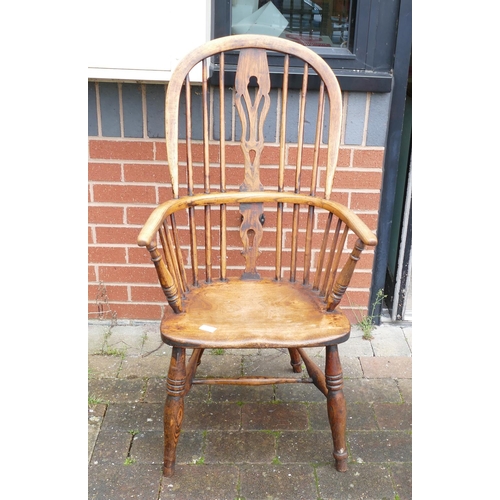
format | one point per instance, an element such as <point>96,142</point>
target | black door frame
<point>402,58</point>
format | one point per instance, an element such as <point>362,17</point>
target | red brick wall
<point>128,177</point>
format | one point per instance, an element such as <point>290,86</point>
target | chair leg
<point>174,408</point>
<point>337,413</point>
<point>295,360</point>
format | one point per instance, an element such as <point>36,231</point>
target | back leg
<point>295,360</point>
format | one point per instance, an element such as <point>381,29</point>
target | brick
<point>147,294</point>
<point>234,155</point>
<point>138,214</point>
<point>114,292</point>
<point>160,151</point>
<point>357,179</point>
<point>138,311</point>
<point>355,298</point>
<point>121,150</point>
<point>353,315</point>
<point>373,158</point>
<point>365,201</point>
<point>104,172</point>
<point>138,255</point>
<point>146,173</point>
<point>92,274</point>
<point>118,193</point>
<point>361,280</point>
<point>105,215</point>
<point>165,194</point>
<point>128,274</point>
<point>198,153</point>
<point>99,255</point>
<point>344,158</point>
<point>307,155</point>
<point>270,155</point>
<point>118,234</point>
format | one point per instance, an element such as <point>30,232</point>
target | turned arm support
<point>343,280</point>
<point>166,279</point>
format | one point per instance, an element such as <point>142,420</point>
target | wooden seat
<point>281,315</point>
<point>253,256</point>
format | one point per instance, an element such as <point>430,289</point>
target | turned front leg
<point>174,408</point>
<point>337,413</point>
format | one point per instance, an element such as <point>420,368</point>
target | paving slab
<point>402,480</point>
<point>240,447</point>
<point>130,417</point>
<point>405,388</point>
<point>149,366</point>
<point>305,447</point>
<point>360,482</point>
<point>392,416</point>
<point>387,367</point>
<point>390,446</point>
<point>112,447</point>
<point>242,393</point>
<point>299,393</point>
<point>147,447</point>
<point>104,366</point>
<point>106,482</point>
<point>201,482</point>
<point>258,482</point>
<point>390,340</point>
<point>117,390</point>
<point>369,390</point>
<point>215,416</point>
<point>407,332</point>
<point>274,416</point>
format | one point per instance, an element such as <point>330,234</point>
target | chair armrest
<point>159,214</point>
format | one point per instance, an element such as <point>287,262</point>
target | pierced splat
<point>251,236</point>
<point>253,71</point>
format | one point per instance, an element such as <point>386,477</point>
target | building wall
<point>128,177</point>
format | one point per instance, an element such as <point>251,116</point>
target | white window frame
<point>144,42</point>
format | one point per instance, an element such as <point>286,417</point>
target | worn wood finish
<point>337,413</point>
<point>253,314</point>
<point>174,408</point>
<point>222,291</point>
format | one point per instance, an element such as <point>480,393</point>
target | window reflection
<point>324,23</point>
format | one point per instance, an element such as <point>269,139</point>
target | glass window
<point>356,38</point>
<point>324,23</point>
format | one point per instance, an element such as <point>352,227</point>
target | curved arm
<point>157,217</point>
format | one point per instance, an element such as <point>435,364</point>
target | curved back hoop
<point>251,60</point>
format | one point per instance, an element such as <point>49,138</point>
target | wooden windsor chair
<point>247,261</point>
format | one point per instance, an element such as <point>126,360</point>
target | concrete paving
<point>238,442</point>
